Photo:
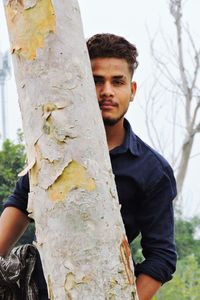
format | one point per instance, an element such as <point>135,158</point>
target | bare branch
<point>196,59</point>
<point>163,67</point>
<point>197,129</point>
<point>195,155</point>
<point>195,113</point>
<point>174,135</point>
<point>179,79</point>
<point>176,12</point>
<point>149,123</point>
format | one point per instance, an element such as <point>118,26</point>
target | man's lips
<point>107,105</point>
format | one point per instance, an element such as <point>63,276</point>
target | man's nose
<point>107,90</point>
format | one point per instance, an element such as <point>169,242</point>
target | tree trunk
<point>184,162</point>
<point>73,200</point>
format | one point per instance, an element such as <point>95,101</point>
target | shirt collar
<point>130,142</point>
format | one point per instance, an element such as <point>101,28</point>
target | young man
<point>144,180</point>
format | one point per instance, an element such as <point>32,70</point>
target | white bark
<point>80,234</point>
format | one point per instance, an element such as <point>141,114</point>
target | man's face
<point>114,88</point>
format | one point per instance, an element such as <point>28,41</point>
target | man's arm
<point>157,228</point>
<point>13,223</point>
<point>146,287</point>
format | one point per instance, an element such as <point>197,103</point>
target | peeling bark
<point>73,199</point>
<point>29,22</point>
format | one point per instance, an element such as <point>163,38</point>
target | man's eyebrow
<point>98,76</point>
<point>119,77</point>
<point>114,77</point>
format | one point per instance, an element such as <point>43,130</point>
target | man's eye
<point>118,82</point>
<point>98,81</point>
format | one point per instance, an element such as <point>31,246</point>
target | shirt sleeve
<point>19,197</point>
<point>156,221</point>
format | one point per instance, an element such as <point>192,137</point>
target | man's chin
<point>110,122</point>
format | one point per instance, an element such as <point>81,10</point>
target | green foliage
<point>136,250</point>
<point>12,160</point>
<point>186,282</point>
<point>186,243</point>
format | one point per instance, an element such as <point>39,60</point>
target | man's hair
<point>110,45</point>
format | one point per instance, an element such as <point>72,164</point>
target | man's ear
<point>133,89</point>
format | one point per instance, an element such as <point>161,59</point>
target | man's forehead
<point>108,60</point>
<point>112,65</point>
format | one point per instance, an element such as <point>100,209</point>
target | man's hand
<point>13,223</point>
<point>146,287</point>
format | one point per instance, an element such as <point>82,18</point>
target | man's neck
<point>115,134</point>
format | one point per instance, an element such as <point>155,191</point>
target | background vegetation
<point>12,161</point>
<point>186,282</point>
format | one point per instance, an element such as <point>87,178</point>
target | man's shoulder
<point>146,152</point>
<point>153,167</point>
<point>142,150</point>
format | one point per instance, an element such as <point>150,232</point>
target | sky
<point>132,19</point>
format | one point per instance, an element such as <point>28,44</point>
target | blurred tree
<point>186,242</point>
<point>12,161</point>
<point>186,282</point>
<point>175,93</point>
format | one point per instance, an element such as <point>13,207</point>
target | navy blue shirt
<point>146,188</point>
